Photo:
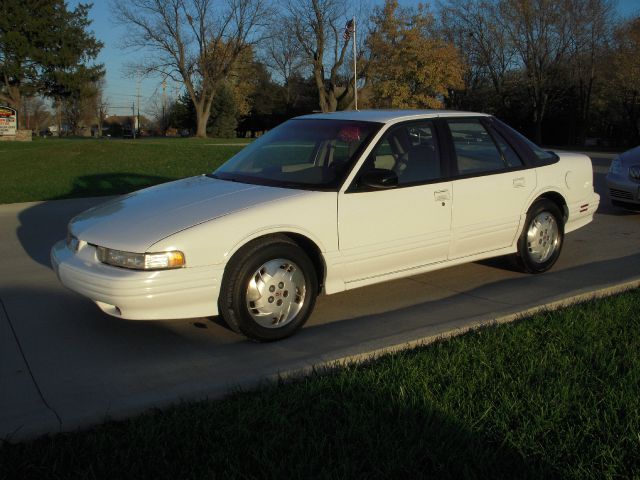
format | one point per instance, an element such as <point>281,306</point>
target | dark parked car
<point>623,180</point>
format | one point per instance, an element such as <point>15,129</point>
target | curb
<point>370,355</point>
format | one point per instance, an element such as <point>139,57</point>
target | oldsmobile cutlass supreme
<point>322,204</point>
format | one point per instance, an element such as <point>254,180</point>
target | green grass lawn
<point>48,169</point>
<point>552,396</point>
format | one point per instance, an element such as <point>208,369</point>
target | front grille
<point>634,172</point>
<point>620,194</point>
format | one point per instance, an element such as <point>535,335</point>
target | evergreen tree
<point>45,49</point>
<point>224,119</point>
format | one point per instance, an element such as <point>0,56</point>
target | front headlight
<point>141,261</point>
<point>616,167</point>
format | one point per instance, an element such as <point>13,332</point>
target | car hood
<point>136,221</point>
<point>630,157</point>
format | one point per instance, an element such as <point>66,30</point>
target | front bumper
<point>623,191</point>
<point>138,295</point>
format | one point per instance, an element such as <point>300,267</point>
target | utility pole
<point>355,68</point>
<point>138,103</point>
<point>133,118</point>
<point>164,105</point>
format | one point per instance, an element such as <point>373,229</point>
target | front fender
<point>214,242</point>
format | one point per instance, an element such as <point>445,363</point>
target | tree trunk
<point>59,116</point>
<point>322,94</point>
<point>201,118</point>
<point>201,130</point>
<point>203,112</point>
<point>14,100</point>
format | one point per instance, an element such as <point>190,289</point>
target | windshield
<point>301,153</point>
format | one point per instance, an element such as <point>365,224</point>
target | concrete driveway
<point>64,364</point>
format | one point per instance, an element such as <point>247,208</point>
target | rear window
<point>539,152</point>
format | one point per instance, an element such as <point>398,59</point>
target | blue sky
<point>121,91</point>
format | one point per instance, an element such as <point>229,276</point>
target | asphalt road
<point>64,364</point>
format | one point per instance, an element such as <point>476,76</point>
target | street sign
<point>8,121</point>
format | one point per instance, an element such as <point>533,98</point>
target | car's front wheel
<point>541,241</point>
<point>269,289</point>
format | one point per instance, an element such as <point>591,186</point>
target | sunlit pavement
<point>64,364</point>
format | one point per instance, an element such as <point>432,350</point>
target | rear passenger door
<point>491,186</point>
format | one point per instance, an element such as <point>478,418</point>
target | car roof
<point>386,116</point>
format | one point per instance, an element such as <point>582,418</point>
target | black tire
<point>526,258</point>
<point>234,306</point>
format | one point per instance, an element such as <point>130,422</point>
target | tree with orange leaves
<point>409,66</point>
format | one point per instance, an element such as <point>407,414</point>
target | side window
<point>510,156</point>
<point>411,151</point>
<point>542,155</point>
<point>475,150</point>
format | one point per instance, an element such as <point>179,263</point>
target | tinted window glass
<point>537,151</point>
<point>411,151</point>
<point>510,156</point>
<point>475,150</point>
<point>300,153</point>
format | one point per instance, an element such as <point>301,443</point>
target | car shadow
<point>376,431</point>
<point>136,365</point>
<point>44,223</point>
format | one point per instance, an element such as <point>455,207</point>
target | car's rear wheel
<point>541,240</point>
<point>269,289</point>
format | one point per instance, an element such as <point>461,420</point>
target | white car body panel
<point>410,227</point>
<point>129,222</point>
<point>362,237</point>
<point>479,223</point>
<point>139,295</point>
<point>312,214</point>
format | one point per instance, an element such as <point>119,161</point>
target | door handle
<point>441,195</point>
<point>519,182</point>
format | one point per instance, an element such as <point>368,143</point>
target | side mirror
<point>379,178</point>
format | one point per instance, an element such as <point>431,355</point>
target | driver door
<point>386,231</point>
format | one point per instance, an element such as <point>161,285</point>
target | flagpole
<point>355,69</point>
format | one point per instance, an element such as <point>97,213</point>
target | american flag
<point>349,28</point>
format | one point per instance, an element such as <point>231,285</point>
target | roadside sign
<point>8,121</point>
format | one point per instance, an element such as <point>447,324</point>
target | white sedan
<point>322,204</point>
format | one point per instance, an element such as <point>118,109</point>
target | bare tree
<point>625,76</point>
<point>540,33</point>
<point>547,49</point>
<point>35,113</point>
<point>191,42</point>
<point>100,106</point>
<point>591,28</point>
<point>319,26</point>
<point>475,27</point>
<point>40,115</point>
<point>282,53</point>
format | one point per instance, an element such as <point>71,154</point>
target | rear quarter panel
<point>571,177</point>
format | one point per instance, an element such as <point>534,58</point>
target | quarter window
<point>476,151</point>
<point>509,155</point>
